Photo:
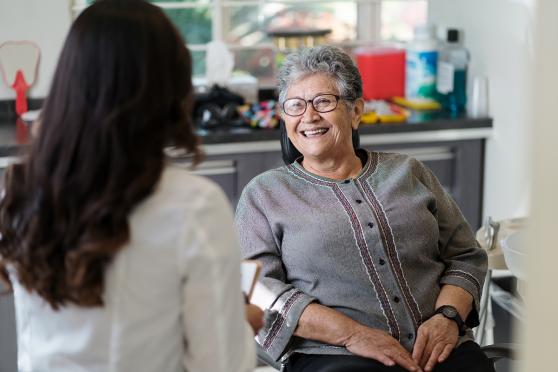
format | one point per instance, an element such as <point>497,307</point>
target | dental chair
<point>494,352</point>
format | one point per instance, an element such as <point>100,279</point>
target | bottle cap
<point>453,35</point>
<point>425,32</point>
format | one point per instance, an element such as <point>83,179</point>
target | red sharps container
<point>382,70</point>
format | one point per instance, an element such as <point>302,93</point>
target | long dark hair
<point>121,93</point>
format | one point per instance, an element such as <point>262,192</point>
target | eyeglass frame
<point>311,101</point>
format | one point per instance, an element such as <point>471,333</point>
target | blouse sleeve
<point>466,261</point>
<point>259,242</point>
<point>216,334</point>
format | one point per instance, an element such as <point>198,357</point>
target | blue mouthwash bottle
<point>451,82</point>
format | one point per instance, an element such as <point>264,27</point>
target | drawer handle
<point>426,153</point>
<point>214,171</point>
<point>210,168</point>
<point>6,161</point>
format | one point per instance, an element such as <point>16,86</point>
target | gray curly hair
<point>322,59</point>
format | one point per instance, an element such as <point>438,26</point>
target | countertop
<point>421,127</point>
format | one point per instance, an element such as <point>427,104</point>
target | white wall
<point>44,22</point>
<point>542,297</point>
<point>514,43</point>
<point>498,34</point>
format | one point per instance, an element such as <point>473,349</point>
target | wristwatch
<point>450,312</point>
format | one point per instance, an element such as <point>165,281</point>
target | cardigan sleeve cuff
<point>281,322</point>
<point>472,285</point>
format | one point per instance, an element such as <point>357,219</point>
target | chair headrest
<point>289,151</point>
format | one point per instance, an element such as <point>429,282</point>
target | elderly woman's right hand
<point>381,346</point>
<point>254,316</point>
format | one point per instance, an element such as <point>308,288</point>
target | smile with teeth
<point>314,132</point>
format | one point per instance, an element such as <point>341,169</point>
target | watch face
<point>449,312</point>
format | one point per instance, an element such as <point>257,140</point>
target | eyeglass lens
<point>322,103</point>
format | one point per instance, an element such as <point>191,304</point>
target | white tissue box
<point>245,85</point>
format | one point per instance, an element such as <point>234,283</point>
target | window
<point>242,24</point>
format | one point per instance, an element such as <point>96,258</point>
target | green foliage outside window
<point>246,26</point>
<point>194,24</point>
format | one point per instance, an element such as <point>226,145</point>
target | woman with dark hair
<point>118,260</point>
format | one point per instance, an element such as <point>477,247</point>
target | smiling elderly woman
<point>372,264</point>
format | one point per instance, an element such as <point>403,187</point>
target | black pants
<point>468,357</point>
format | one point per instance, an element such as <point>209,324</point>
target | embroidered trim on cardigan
<point>368,262</point>
<point>465,275</point>
<point>364,252</point>
<point>388,239</point>
<point>278,323</point>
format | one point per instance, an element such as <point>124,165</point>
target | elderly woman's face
<point>317,134</point>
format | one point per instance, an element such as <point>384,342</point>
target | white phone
<point>249,273</point>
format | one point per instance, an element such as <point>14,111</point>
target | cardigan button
<point>358,201</point>
<point>370,224</point>
<point>396,299</point>
<point>382,262</point>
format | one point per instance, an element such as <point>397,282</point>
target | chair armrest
<point>498,351</point>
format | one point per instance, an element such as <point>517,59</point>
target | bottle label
<point>420,81</point>
<point>445,77</point>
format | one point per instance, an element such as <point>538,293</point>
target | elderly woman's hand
<point>436,339</point>
<point>381,346</point>
<point>254,316</point>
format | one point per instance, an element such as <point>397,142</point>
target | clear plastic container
<point>421,64</point>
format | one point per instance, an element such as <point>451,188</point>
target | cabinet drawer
<point>440,160</point>
<point>222,172</point>
<point>444,171</point>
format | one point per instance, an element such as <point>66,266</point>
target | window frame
<point>367,10</point>
<point>368,31</point>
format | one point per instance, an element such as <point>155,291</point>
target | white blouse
<point>172,295</point>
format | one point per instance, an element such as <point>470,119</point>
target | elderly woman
<point>371,263</point>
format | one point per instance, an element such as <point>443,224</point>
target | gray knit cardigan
<point>377,248</point>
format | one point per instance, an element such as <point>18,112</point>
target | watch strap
<point>451,313</point>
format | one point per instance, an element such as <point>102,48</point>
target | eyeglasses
<point>322,103</point>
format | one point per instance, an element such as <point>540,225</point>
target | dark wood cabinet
<point>452,147</point>
<point>457,164</point>
<point>8,345</point>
